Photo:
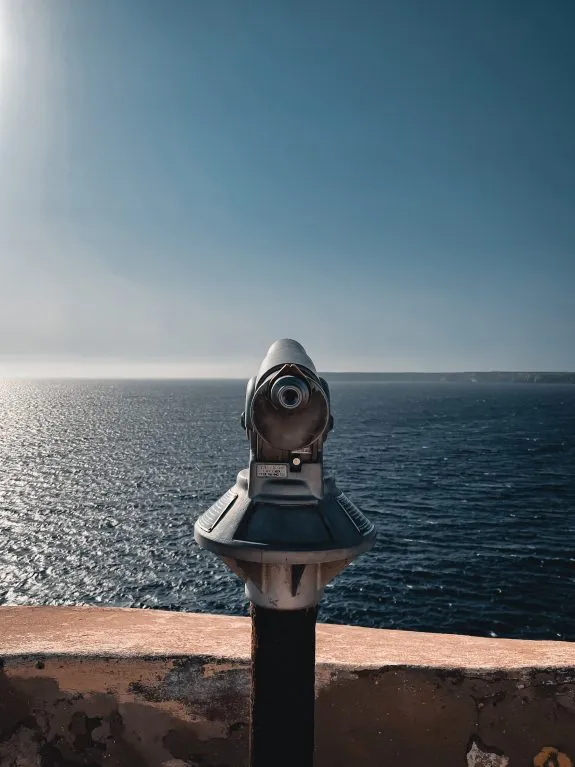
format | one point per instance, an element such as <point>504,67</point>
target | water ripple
<point>471,488</point>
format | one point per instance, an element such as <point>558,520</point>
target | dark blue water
<point>471,487</point>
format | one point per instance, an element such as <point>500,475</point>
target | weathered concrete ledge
<point>104,686</point>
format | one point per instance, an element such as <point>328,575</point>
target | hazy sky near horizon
<point>181,183</point>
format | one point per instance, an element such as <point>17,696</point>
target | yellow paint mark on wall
<point>544,757</point>
<point>210,669</point>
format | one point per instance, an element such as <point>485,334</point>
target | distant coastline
<point>492,376</point>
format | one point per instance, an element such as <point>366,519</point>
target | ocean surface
<point>471,488</point>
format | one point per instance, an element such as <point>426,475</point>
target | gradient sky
<point>391,183</point>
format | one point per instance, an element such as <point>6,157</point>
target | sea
<point>471,488</point>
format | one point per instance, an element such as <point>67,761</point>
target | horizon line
<point>128,377</point>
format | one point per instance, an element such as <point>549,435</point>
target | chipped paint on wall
<point>479,755</point>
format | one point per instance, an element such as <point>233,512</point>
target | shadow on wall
<point>175,713</point>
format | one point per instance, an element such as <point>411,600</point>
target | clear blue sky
<point>391,183</point>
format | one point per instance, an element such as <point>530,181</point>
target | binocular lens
<point>290,397</point>
<point>289,392</point>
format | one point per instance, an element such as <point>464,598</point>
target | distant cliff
<point>492,376</point>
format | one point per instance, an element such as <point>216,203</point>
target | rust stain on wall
<point>551,757</point>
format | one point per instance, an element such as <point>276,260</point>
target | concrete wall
<point>96,686</point>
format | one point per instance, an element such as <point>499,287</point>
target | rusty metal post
<point>283,687</point>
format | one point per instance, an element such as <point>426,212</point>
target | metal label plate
<point>272,470</point>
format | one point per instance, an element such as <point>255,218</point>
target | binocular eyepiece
<point>287,403</point>
<point>289,392</point>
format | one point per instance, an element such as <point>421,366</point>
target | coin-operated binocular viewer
<point>286,530</point>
